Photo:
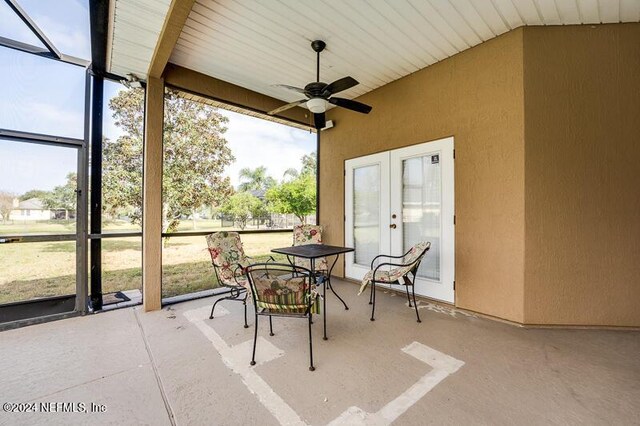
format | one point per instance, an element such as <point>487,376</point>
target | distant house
<point>258,193</point>
<point>34,209</point>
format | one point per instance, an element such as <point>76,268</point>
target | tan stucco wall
<point>477,97</point>
<point>582,120</point>
<point>546,122</point>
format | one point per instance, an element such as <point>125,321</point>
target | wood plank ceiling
<point>259,43</point>
<point>134,28</point>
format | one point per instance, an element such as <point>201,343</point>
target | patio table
<point>313,252</point>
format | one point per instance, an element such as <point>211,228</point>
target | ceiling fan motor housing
<point>315,89</point>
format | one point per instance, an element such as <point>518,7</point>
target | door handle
<point>393,226</point>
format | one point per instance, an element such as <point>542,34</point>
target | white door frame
<point>390,163</point>
<point>436,289</point>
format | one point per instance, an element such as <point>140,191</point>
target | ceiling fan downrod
<point>318,46</point>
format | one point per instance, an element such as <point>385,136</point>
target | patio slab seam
<point>47,395</point>
<point>154,367</point>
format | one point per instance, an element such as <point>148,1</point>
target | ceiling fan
<point>318,93</point>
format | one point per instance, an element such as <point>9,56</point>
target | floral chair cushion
<point>309,234</point>
<point>393,275</point>
<point>227,253</point>
<point>283,293</point>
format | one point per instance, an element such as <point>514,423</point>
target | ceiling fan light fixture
<point>317,105</point>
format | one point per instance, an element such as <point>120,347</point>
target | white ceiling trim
<point>259,43</point>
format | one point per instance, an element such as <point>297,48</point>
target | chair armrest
<point>270,259</point>
<point>399,265</point>
<point>389,256</point>
<point>235,273</point>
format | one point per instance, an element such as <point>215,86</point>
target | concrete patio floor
<point>177,366</point>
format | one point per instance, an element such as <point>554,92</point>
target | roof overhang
<point>256,45</point>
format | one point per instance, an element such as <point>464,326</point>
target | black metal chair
<point>229,261</point>
<point>409,264</point>
<point>284,291</point>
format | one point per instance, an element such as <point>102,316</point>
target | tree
<point>63,196</point>
<point>6,204</point>
<point>310,163</point>
<point>195,156</point>
<point>122,177</point>
<point>255,179</point>
<point>290,173</point>
<point>242,206</point>
<point>309,166</point>
<point>34,193</point>
<point>297,196</point>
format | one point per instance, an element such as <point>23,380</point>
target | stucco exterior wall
<point>477,97</point>
<point>582,168</point>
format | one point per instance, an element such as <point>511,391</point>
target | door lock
<point>393,226</point>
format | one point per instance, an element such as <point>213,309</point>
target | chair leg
<point>214,305</point>
<point>373,294</point>
<point>406,287</point>
<point>234,295</point>
<point>346,308</point>
<point>415,305</point>
<point>270,327</point>
<point>255,339</point>
<point>245,313</point>
<point>311,367</point>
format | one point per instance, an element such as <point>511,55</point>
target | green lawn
<point>33,270</point>
<point>48,227</point>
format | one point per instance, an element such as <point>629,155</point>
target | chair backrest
<point>281,288</point>
<point>307,234</point>
<point>226,253</point>
<point>415,254</point>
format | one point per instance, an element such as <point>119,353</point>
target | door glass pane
<point>366,214</point>
<point>37,189</point>
<point>421,209</point>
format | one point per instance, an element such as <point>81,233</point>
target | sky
<point>45,96</point>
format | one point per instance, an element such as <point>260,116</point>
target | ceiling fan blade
<point>340,85</point>
<point>292,88</point>
<point>352,105</point>
<point>319,120</point>
<point>287,106</point>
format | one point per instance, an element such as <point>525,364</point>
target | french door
<point>397,198</point>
